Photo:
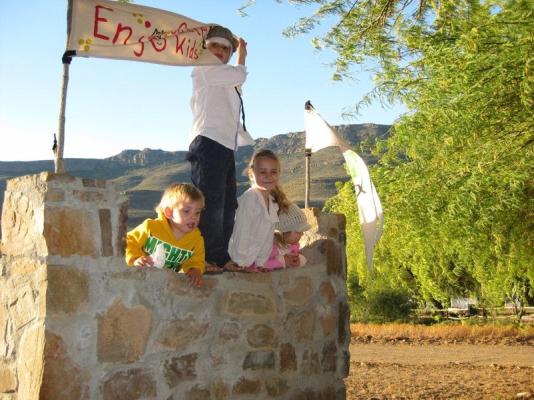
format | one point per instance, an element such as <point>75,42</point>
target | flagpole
<point>58,152</point>
<point>307,153</point>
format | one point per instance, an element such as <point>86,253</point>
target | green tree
<point>455,176</point>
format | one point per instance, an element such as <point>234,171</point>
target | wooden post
<point>58,152</point>
<point>307,153</point>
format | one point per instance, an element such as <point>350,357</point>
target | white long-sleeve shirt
<point>216,106</point>
<point>252,238</point>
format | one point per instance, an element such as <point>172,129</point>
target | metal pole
<point>307,153</point>
<point>58,153</point>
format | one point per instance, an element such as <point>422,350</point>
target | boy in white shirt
<point>216,134</point>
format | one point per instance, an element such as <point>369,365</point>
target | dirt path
<point>440,371</point>
<point>416,354</point>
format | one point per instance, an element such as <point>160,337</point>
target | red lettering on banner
<point>121,29</point>
<point>159,44</point>
<point>97,19</point>
<point>182,27</point>
<point>140,53</point>
<point>192,54</point>
<point>158,41</point>
<point>180,45</point>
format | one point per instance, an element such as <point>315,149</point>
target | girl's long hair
<point>277,192</point>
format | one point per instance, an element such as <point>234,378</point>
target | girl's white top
<point>252,238</point>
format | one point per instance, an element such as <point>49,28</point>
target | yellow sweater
<point>184,253</point>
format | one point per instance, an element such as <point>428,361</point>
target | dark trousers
<point>213,172</point>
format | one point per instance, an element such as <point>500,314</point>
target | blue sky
<point>115,105</point>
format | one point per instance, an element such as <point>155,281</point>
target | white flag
<point>109,29</point>
<point>320,135</point>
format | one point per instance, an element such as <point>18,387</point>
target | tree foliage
<point>456,175</point>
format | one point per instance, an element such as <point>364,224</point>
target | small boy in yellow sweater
<point>172,240</point>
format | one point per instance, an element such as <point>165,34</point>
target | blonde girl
<point>257,213</point>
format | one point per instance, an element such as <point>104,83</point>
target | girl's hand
<point>144,261</point>
<point>292,260</point>
<point>196,277</point>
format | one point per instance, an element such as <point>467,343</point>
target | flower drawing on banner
<point>85,44</point>
<point>140,18</point>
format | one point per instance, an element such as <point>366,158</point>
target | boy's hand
<point>241,51</point>
<point>196,277</point>
<point>144,261</point>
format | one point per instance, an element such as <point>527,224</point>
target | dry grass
<point>442,333</point>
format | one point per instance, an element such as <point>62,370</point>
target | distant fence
<point>477,312</point>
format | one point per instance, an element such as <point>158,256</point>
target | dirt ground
<point>397,370</point>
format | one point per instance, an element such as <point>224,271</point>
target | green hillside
<point>143,174</point>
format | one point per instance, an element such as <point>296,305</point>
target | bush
<point>382,305</point>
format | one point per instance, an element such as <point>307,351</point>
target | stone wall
<point>77,323</point>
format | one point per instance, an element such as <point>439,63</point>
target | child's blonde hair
<point>277,192</point>
<point>178,193</point>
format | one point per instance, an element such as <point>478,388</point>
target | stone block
<point>60,178</point>
<point>301,291</point>
<point>123,228</point>
<point>259,360</point>
<point>131,384</point>
<point>23,306</point>
<point>288,358</point>
<point>180,369</point>
<point>310,363</point>
<point>179,285</point>
<point>122,333</point>
<point>327,292</point>
<point>68,289</point>
<point>262,336</point>
<point>180,334</point>
<point>276,387</point>
<point>69,232</point>
<point>305,326</point>
<point>246,386</point>
<point>334,259</point>
<point>328,324</point>
<point>329,358</point>
<point>343,323</point>
<point>8,378</point>
<point>59,366</point>
<point>346,363</point>
<point>197,393</point>
<point>95,183</point>
<point>104,216</point>
<point>230,331</point>
<point>54,195</point>
<point>328,393</point>
<point>219,391</point>
<point>30,360</point>
<point>88,196</point>
<point>246,305</point>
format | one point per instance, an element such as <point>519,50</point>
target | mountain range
<point>143,174</point>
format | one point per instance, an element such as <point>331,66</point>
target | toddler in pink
<point>288,231</point>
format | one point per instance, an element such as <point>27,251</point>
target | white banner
<point>369,205</point>
<point>108,29</point>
